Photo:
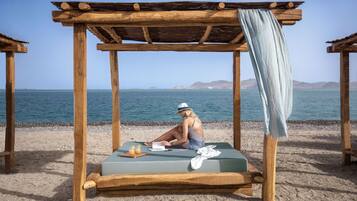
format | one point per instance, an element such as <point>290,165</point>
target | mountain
<point>251,83</point>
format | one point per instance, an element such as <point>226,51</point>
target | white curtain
<point>273,72</point>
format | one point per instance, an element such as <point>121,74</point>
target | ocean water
<point>43,106</point>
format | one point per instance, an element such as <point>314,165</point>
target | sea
<point>159,105</point>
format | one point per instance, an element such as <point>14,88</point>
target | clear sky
<point>48,64</point>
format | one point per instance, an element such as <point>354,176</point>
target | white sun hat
<point>182,107</point>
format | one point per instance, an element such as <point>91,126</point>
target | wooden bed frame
<point>181,22</point>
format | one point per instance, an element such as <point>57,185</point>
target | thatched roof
<point>215,22</point>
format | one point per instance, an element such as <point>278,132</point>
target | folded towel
<point>204,153</point>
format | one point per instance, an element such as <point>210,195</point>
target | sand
<point>308,165</point>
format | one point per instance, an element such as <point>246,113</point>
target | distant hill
<point>251,83</point>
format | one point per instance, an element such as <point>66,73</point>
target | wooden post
<point>10,111</point>
<point>80,111</point>
<point>345,108</point>
<point>236,100</point>
<point>115,100</point>
<point>269,167</point>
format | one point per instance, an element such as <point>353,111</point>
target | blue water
<point>36,106</point>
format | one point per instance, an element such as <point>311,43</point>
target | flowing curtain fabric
<point>273,72</point>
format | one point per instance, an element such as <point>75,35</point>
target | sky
<point>48,63</point>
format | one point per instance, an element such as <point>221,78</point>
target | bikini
<point>195,141</point>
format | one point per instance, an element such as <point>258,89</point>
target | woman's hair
<point>191,114</point>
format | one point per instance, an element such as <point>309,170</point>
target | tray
<point>127,154</point>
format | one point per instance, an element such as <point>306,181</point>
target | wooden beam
<point>84,6</point>
<point>205,35</point>
<point>115,100</point>
<point>173,47</point>
<point>66,6</point>
<point>136,6</point>
<point>95,31</point>
<point>272,5</point>
<point>345,107</point>
<point>164,18</point>
<point>4,153</point>
<point>10,112</point>
<point>147,35</point>
<point>80,111</point>
<point>290,5</point>
<point>269,167</point>
<point>18,48</point>
<point>238,38</point>
<point>236,101</point>
<point>344,43</point>
<point>113,34</point>
<point>221,6</point>
<point>332,49</point>
<point>223,178</point>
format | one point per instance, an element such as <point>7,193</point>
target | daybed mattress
<point>177,160</point>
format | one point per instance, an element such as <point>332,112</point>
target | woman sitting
<point>188,134</point>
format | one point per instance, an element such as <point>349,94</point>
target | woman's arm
<point>184,133</point>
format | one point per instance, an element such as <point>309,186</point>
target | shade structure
<point>10,46</point>
<point>164,26</point>
<point>345,46</point>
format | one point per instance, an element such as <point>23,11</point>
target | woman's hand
<point>165,143</point>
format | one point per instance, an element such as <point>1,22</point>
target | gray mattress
<point>176,160</point>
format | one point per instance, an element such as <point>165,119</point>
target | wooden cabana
<point>164,26</point>
<point>10,46</point>
<point>345,46</point>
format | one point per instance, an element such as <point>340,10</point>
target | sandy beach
<point>308,164</point>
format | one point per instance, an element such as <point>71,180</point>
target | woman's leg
<point>169,135</point>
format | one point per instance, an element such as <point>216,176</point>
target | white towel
<point>204,153</point>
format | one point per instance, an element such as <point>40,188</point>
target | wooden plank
<point>245,189</point>
<point>165,18</point>
<point>10,112</point>
<point>174,47</point>
<point>95,31</point>
<point>224,178</point>
<point>115,100</point>
<point>345,107</point>
<point>147,35</point>
<point>344,43</point>
<point>18,48</point>
<point>238,38</point>
<point>80,111</point>
<point>269,167</point>
<point>236,101</point>
<point>205,35</point>
<point>352,48</point>
<point>113,34</point>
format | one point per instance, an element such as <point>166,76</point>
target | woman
<point>188,134</point>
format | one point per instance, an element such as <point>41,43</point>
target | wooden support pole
<point>115,100</point>
<point>221,6</point>
<point>80,111</point>
<point>236,101</point>
<point>10,112</point>
<point>238,38</point>
<point>345,108</point>
<point>147,35</point>
<point>272,5</point>
<point>269,167</point>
